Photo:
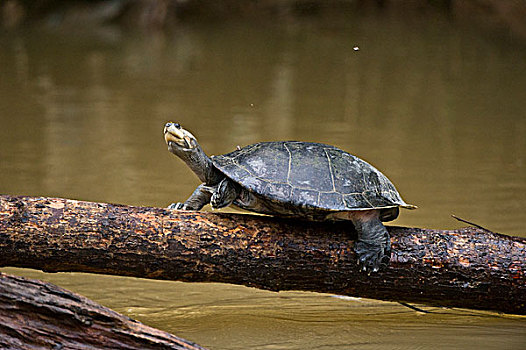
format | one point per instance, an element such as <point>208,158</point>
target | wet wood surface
<point>40,315</point>
<point>470,267</point>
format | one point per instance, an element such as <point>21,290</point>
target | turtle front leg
<point>196,201</point>
<point>225,194</point>
<point>374,244</point>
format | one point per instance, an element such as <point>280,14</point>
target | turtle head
<point>183,144</point>
<point>178,138</point>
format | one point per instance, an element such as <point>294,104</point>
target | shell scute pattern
<point>309,167</point>
<point>268,163</point>
<point>278,190</point>
<point>255,184</point>
<point>236,171</point>
<point>332,200</point>
<point>306,197</point>
<point>309,174</point>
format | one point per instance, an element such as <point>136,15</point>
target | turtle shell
<point>306,174</point>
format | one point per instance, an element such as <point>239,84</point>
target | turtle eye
<point>177,125</point>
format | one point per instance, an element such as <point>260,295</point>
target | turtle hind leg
<point>225,194</point>
<point>374,244</point>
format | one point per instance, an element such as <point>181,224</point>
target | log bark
<point>40,315</point>
<point>469,268</point>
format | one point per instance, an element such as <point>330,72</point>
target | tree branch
<point>468,268</point>
<point>40,315</point>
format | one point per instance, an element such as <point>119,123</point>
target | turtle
<point>295,179</point>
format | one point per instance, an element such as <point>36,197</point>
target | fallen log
<point>470,267</point>
<point>40,315</point>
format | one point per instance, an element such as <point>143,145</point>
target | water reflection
<point>437,107</point>
<point>232,317</point>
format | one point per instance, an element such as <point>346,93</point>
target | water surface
<point>439,107</point>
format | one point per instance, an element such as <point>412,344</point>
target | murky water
<point>437,106</point>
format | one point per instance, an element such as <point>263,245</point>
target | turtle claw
<point>372,256</point>
<point>177,206</point>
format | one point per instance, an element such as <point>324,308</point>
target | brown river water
<point>438,106</point>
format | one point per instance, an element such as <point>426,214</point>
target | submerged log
<point>470,267</point>
<point>40,315</point>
